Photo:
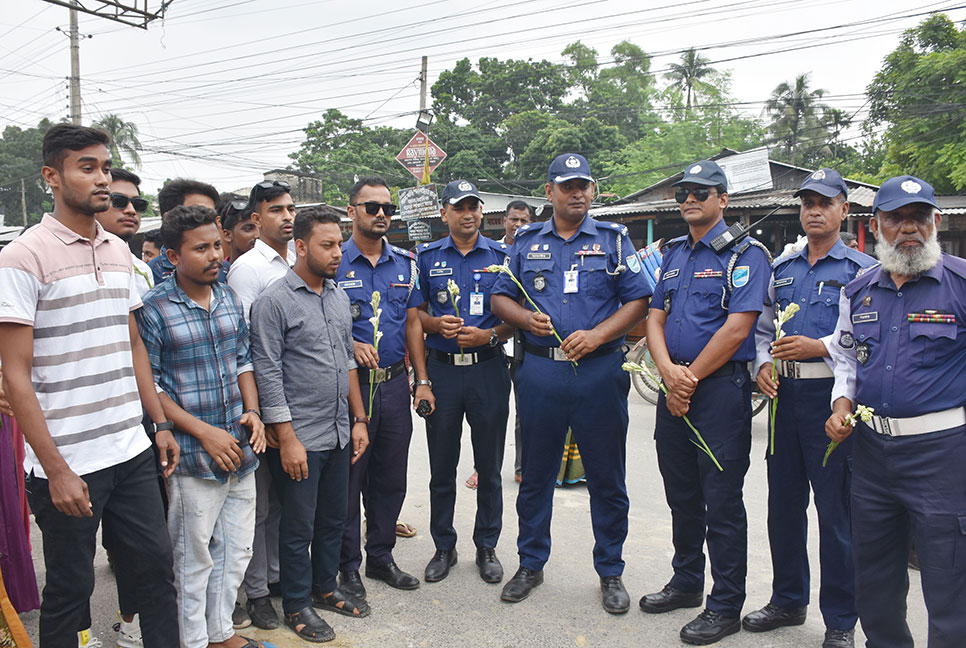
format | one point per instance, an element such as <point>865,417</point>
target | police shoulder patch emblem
<point>846,340</point>
<point>740,276</point>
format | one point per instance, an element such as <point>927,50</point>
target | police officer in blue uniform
<point>811,278</point>
<point>586,279</point>
<point>900,348</point>
<point>468,367</point>
<point>700,332</point>
<point>370,263</point>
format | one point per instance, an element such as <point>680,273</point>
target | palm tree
<point>688,73</point>
<point>124,136</point>
<point>796,115</point>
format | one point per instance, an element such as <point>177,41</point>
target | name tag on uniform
<point>859,318</point>
<point>538,255</point>
<point>438,272</point>
<point>350,284</point>
<point>476,303</point>
<point>787,281</point>
<point>570,281</point>
<point>670,274</point>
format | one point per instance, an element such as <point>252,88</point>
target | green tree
<point>796,118</point>
<point>124,137</point>
<point>918,96</point>
<point>21,158</point>
<point>688,74</point>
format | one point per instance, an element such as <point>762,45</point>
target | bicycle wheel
<point>646,387</point>
<point>758,401</point>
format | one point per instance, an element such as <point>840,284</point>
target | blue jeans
<point>211,526</point>
<point>313,516</point>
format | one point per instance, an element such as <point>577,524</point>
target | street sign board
<point>418,202</point>
<point>413,155</point>
<point>748,171</point>
<point>419,230</point>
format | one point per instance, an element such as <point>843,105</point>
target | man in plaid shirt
<point>197,339</point>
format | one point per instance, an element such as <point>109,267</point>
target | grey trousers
<point>263,567</point>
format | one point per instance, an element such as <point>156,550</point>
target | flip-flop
<point>404,530</point>
<point>472,481</point>
<point>260,644</point>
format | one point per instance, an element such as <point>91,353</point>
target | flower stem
<point>832,445</point>
<point>537,308</point>
<point>701,443</point>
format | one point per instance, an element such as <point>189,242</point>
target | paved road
<point>564,611</point>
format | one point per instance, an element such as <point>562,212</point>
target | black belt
<point>556,353</point>
<point>466,358</point>
<point>726,369</point>
<point>383,374</point>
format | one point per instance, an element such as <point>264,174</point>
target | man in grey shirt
<point>305,370</point>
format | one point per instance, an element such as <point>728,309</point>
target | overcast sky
<point>221,89</point>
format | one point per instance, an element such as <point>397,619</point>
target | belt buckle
<point>464,360</point>
<point>379,376</point>
<point>796,368</point>
<point>559,355</point>
<point>886,426</point>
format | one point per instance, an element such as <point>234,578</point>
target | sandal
<point>252,643</point>
<point>472,481</point>
<point>404,530</point>
<point>341,603</point>
<point>309,626</point>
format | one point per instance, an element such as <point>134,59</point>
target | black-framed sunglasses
<point>373,207</point>
<point>237,205</point>
<point>267,184</point>
<point>120,201</point>
<point>700,194</point>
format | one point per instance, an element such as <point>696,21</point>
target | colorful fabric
<point>571,467</point>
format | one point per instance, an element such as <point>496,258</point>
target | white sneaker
<point>128,634</point>
<point>86,640</point>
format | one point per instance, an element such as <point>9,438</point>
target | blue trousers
<point>379,476</point>
<point>800,443</point>
<point>899,484</point>
<point>481,393</point>
<point>593,404</point>
<point>313,517</point>
<point>706,504</point>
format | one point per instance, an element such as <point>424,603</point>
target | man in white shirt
<point>249,276</point>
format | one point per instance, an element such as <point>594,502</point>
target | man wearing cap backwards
<point>467,365</point>
<point>701,335</point>
<point>370,264</point>
<point>811,279</point>
<point>900,348</point>
<point>586,279</point>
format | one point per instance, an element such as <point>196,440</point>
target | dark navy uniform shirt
<point>398,284</point>
<point>815,288</point>
<point>540,259</point>
<point>906,347</point>
<point>439,262</point>
<point>692,286</point>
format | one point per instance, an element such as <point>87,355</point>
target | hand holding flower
<point>840,424</point>
<point>766,383</point>
<point>449,326</point>
<point>540,324</point>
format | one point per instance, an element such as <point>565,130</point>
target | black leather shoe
<point>350,582</point>
<point>439,564</point>
<point>613,596</point>
<point>839,639</point>
<point>669,599</point>
<point>392,576</point>
<point>491,571</point>
<point>709,627</point>
<point>518,587</point>
<point>771,616</point>
<point>262,613</point>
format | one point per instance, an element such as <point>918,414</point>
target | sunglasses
<point>700,194</point>
<point>268,184</point>
<point>237,205</point>
<point>120,201</point>
<point>373,207</point>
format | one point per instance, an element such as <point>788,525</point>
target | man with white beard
<point>900,349</point>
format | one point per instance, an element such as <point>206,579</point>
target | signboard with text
<point>748,171</point>
<point>413,155</point>
<point>416,206</point>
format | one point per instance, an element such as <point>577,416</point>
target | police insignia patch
<point>818,175</point>
<point>355,310</point>
<point>862,353</point>
<point>911,187</point>
<point>633,263</point>
<point>351,274</point>
<point>695,170</point>
<point>846,340</point>
<point>572,162</point>
<point>740,276</point>
<point>465,186</point>
<point>442,296</point>
<point>539,282</point>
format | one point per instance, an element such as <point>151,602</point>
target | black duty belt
<point>466,359</point>
<point>556,353</point>
<point>381,375</point>
<point>726,369</point>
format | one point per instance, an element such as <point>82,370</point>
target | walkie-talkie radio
<point>734,233</point>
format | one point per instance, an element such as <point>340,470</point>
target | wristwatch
<point>163,425</point>
<point>494,338</point>
<point>420,383</point>
<point>360,419</point>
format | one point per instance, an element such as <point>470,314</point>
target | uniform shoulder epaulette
<point>783,259</point>
<point>862,259</point>
<point>864,277</point>
<point>524,230</point>
<point>955,264</point>
<point>673,243</point>
<point>404,252</point>
<point>615,226</point>
<point>428,246</point>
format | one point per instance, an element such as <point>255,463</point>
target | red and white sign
<point>413,155</point>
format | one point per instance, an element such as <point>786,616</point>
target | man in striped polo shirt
<point>77,373</point>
